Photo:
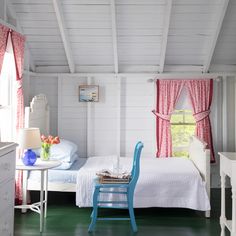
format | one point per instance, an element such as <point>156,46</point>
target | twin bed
<point>163,182</point>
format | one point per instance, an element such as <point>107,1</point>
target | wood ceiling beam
<point>19,29</point>
<point>64,34</point>
<point>165,34</point>
<point>150,76</point>
<point>114,35</point>
<point>213,40</point>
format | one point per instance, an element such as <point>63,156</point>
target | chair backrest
<point>136,164</point>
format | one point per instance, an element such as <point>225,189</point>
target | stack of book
<point>109,177</point>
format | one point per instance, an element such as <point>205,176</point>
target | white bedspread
<point>163,182</point>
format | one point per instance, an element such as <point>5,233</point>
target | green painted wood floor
<point>64,218</point>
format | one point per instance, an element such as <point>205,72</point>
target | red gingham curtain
<point>3,42</point>
<point>18,42</point>
<point>168,92</point>
<point>201,93</point>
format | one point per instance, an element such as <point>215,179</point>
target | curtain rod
<point>217,78</point>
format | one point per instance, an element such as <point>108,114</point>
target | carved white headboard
<point>37,115</point>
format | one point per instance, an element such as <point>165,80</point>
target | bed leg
<point>207,214</point>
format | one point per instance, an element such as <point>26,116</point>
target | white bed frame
<point>200,156</point>
<point>37,115</point>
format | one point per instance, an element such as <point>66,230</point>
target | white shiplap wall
<point>136,120</point>
<point>95,126</point>
<point>97,123</point>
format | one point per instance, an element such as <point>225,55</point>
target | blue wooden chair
<point>126,189</point>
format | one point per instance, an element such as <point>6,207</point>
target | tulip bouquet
<point>47,142</point>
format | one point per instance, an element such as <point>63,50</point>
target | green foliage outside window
<point>182,128</point>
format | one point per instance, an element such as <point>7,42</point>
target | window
<point>182,128</point>
<point>8,96</point>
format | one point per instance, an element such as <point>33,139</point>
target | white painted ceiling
<point>129,35</point>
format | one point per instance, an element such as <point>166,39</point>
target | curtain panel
<point>18,42</point>
<point>4,31</point>
<point>200,94</point>
<point>168,92</point>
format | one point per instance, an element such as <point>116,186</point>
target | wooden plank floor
<point>64,218</point>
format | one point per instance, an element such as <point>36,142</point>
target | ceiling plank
<point>165,34</point>
<point>64,34</point>
<point>213,40</point>
<point>114,35</point>
<point>14,15</point>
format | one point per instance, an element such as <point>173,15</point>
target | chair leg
<point>95,210</point>
<point>131,215</point>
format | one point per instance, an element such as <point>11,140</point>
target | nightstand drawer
<point>7,166</point>
<point>7,194</point>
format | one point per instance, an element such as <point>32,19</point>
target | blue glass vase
<point>29,158</point>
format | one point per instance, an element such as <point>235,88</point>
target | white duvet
<point>163,182</point>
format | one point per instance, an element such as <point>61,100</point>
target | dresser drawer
<point>7,222</point>
<point>7,166</point>
<point>7,190</point>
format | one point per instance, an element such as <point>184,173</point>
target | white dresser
<point>7,188</point>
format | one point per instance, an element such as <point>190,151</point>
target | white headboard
<point>37,115</point>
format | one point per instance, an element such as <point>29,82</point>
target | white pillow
<point>66,165</point>
<point>61,151</point>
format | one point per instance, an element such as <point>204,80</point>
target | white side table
<point>228,168</point>
<point>43,167</point>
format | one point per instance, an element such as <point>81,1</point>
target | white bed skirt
<point>163,182</point>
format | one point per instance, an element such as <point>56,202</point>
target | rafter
<point>19,28</point>
<point>114,35</point>
<point>212,43</point>
<point>64,34</point>
<point>165,35</point>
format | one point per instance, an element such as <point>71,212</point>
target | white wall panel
<point>137,121</point>
<point>102,123</point>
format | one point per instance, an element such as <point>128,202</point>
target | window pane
<point>4,81</point>
<point>8,99</point>
<point>189,118</point>
<point>177,118</point>
<point>182,128</point>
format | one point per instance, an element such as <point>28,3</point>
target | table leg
<point>233,231</point>
<point>41,201</point>
<point>46,194</point>
<point>24,190</point>
<point>222,217</point>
